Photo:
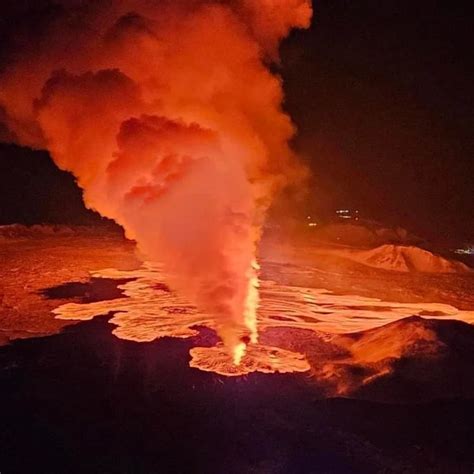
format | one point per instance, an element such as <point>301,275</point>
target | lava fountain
<point>169,118</point>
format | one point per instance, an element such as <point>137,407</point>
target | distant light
<point>308,217</point>
<point>466,251</point>
<point>312,224</point>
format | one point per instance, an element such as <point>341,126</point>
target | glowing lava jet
<point>172,124</point>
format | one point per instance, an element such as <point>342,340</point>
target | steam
<point>171,122</point>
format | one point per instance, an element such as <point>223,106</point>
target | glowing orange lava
<point>250,312</point>
<point>150,311</point>
<point>258,358</point>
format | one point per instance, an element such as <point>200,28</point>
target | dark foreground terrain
<point>86,401</point>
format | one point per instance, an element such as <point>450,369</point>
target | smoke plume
<point>172,123</point>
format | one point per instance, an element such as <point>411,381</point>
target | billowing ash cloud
<point>167,115</point>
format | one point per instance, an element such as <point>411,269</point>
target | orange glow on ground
<point>258,358</point>
<point>149,311</point>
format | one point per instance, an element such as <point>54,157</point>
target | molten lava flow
<point>149,311</point>
<point>171,121</point>
<point>260,358</point>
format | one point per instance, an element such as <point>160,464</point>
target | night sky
<point>381,92</point>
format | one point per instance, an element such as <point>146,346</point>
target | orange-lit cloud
<point>168,116</point>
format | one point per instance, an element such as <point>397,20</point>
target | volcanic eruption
<point>167,114</point>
